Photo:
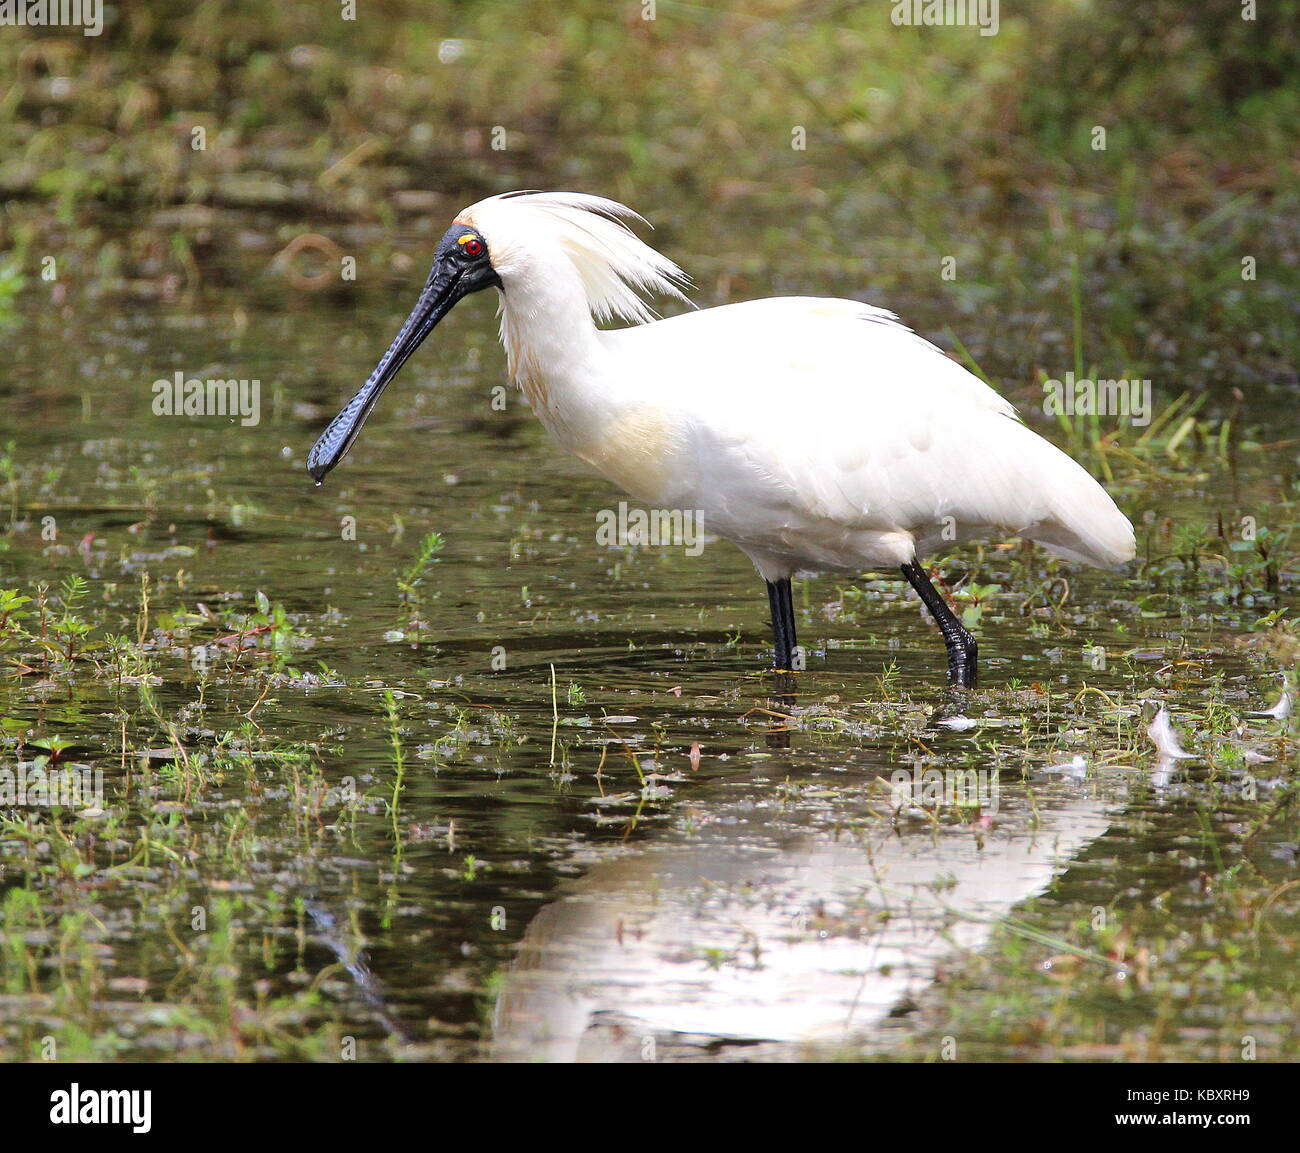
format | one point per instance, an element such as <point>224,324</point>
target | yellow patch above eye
<point>466,238</point>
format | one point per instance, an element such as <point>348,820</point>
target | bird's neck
<point>582,392</point>
<point>555,358</point>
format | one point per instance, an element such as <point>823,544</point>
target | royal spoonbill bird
<point>818,435</point>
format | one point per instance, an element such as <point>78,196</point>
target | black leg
<point>778,597</point>
<point>963,652</point>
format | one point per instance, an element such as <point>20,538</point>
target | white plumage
<point>817,434</point>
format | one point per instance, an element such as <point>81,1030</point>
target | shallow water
<point>560,874</point>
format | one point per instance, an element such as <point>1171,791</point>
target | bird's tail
<point>1084,523</point>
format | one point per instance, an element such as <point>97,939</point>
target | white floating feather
<point>1162,733</point>
<point>1280,711</point>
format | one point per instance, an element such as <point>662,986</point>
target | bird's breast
<point>635,449</point>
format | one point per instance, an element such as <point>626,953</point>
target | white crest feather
<point>618,271</point>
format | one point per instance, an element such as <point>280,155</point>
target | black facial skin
<point>455,274</point>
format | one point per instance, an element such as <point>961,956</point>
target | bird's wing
<point>826,422</point>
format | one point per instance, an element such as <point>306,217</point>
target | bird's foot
<point>963,663</point>
<point>961,676</point>
<point>786,682</point>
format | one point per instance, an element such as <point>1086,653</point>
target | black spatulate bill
<point>460,266</point>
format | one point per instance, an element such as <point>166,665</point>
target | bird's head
<point>462,264</point>
<point>505,241</point>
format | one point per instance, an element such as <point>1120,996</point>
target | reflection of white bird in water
<point>743,929</point>
<point>818,435</point>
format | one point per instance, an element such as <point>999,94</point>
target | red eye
<point>473,246</point>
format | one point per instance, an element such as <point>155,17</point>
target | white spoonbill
<point>818,435</point>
